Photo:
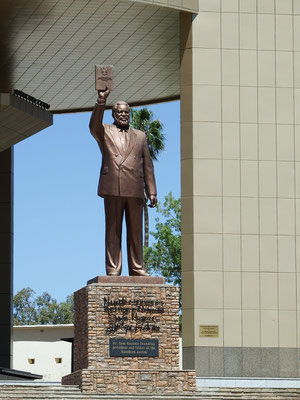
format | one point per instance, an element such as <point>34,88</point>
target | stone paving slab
<point>34,392</point>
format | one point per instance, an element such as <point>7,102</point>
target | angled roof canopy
<point>55,44</point>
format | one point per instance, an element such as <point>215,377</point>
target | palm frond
<point>143,120</point>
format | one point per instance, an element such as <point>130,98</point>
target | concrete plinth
<point>126,338</point>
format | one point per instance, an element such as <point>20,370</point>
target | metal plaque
<point>211,331</point>
<point>119,347</point>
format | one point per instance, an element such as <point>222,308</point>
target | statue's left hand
<point>153,200</point>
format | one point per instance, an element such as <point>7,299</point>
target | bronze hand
<point>103,94</point>
<point>153,201</point>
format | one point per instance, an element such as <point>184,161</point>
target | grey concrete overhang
<point>20,119</point>
<point>183,5</point>
<point>55,44</point>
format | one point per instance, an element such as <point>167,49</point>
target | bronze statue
<point>126,171</point>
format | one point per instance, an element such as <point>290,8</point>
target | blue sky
<point>58,217</point>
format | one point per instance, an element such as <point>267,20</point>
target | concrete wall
<point>240,122</point>
<point>42,343</point>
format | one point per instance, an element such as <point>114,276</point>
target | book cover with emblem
<point>104,77</point>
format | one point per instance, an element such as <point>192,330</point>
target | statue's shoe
<point>138,272</point>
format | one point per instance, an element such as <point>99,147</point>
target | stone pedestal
<point>127,338</point>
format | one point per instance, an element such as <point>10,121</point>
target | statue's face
<point>121,115</point>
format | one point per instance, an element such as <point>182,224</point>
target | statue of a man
<point>126,171</point>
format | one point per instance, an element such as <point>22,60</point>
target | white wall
<point>42,343</point>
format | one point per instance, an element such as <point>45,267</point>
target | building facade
<point>240,155</point>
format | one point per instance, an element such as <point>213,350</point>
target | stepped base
<point>47,392</point>
<point>132,381</point>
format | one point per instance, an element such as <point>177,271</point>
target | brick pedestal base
<point>126,308</point>
<point>133,381</point>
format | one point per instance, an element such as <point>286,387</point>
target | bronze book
<point>104,77</point>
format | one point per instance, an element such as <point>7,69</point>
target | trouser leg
<point>114,209</point>
<point>134,224</point>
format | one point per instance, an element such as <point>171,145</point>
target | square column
<point>240,126</point>
<point>6,257</point>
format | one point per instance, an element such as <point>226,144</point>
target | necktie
<point>123,137</point>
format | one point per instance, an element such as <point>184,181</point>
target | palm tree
<point>143,120</point>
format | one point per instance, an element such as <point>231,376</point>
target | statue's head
<point>121,114</point>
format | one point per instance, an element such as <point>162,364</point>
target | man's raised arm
<point>96,126</point>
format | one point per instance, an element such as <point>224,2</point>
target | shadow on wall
<point>6,27</point>
<point>9,31</point>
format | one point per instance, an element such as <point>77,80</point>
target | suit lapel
<point>113,135</point>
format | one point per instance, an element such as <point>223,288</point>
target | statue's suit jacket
<point>124,173</point>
